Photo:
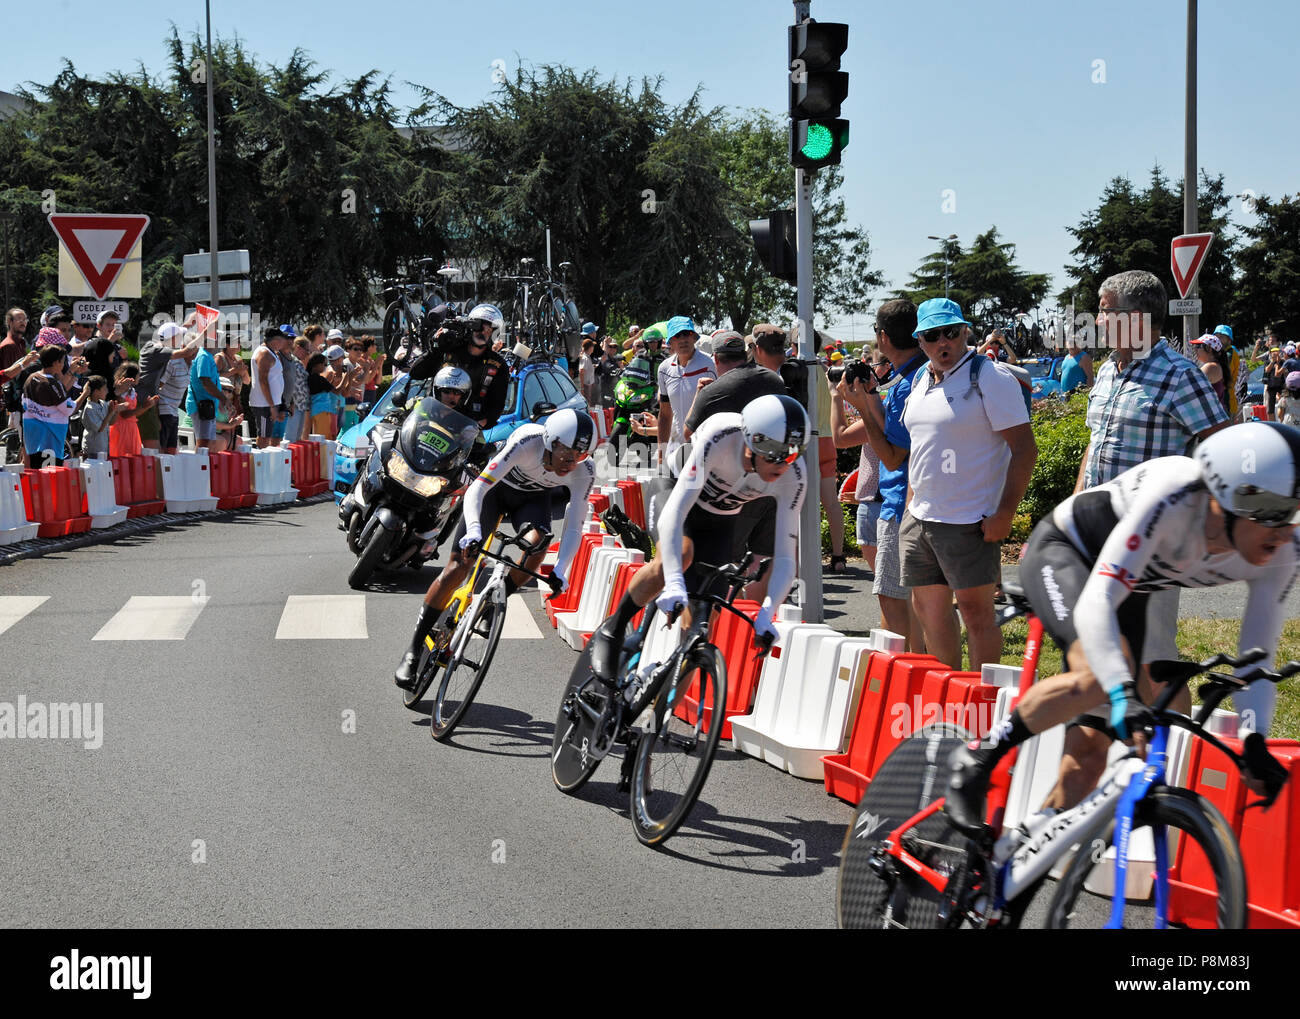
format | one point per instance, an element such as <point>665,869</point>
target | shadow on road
<point>497,730</point>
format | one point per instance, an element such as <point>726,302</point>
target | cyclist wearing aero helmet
<point>735,458</point>
<point>540,467</point>
<point>1228,514</point>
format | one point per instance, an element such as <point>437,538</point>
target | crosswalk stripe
<point>14,606</point>
<point>519,623</point>
<point>323,617</point>
<point>146,617</point>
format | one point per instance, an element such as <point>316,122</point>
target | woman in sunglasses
<point>1228,514</point>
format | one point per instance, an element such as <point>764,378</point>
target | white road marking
<point>14,606</point>
<point>323,617</point>
<point>520,624</point>
<point>151,618</point>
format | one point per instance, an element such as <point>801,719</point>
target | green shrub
<point>850,533</point>
<point>1061,432</point>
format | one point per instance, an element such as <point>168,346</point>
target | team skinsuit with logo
<point>515,485</point>
<point>706,503</point>
<point>1089,566</point>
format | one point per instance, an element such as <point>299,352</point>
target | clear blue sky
<point>993,99</point>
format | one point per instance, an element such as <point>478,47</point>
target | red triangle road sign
<point>1186,256</point>
<point>99,244</point>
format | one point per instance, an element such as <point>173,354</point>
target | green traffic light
<point>819,142</point>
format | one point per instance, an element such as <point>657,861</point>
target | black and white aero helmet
<point>451,377</point>
<point>1253,470</point>
<point>775,427</point>
<point>569,428</point>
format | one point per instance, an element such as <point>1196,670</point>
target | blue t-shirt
<point>893,484</point>
<point>204,367</point>
<point>1072,375</point>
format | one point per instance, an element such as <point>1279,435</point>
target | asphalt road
<point>230,788</point>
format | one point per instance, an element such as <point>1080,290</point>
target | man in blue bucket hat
<point>679,377</point>
<point>972,456</point>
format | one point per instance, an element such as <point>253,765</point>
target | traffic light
<point>817,88</point>
<point>774,239</point>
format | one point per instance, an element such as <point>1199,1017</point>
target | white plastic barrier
<point>888,641</point>
<point>327,451</point>
<point>101,498</point>
<point>14,525</point>
<point>805,717</point>
<point>272,476</point>
<point>187,482</point>
<point>593,605</point>
<point>615,495</point>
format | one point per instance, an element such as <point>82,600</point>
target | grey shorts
<point>955,555</point>
<point>204,429</point>
<point>888,581</point>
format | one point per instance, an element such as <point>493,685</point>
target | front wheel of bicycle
<point>674,755</point>
<point>876,890</point>
<point>476,637</point>
<point>1207,848</point>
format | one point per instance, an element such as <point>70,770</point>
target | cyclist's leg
<point>1053,574</point>
<point>439,594</point>
<point>528,515</point>
<point>762,541</point>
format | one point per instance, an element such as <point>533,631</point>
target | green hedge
<point>1061,432</point>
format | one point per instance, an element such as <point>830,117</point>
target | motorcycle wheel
<point>373,554</point>
<point>354,532</point>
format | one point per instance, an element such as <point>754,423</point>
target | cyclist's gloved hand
<point>673,596</point>
<point>557,584</point>
<point>764,632</point>
<point>1127,713</point>
<point>473,536</point>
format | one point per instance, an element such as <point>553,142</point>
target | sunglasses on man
<point>947,332</point>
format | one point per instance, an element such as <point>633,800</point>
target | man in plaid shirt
<point>1148,401</point>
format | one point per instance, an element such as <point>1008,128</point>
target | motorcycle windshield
<point>434,438</point>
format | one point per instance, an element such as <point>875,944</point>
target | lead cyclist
<point>1228,514</point>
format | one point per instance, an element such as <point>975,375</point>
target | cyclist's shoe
<point>968,783</point>
<point>404,677</point>
<point>605,644</point>
<point>1264,775</point>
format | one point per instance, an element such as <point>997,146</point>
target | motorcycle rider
<point>451,386</point>
<point>540,467</point>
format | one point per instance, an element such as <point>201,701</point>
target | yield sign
<point>1186,256</point>
<point>99,244</point>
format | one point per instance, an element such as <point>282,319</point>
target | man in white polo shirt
<point>679,378</point>
<point>972,455</point>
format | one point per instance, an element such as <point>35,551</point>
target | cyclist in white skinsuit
<point>735,458</point>
<point>1229,514</point>
<point>539,467</point>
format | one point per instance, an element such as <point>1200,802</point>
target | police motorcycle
<point>408,492</point>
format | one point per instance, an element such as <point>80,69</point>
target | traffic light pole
<point>810,531</point>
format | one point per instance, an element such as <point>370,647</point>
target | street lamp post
<point>944,242</point>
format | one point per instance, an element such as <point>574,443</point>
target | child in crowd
<point>124,433</point>
<point>323,419</point>
<point>98,413</point>
<point>227,424</point>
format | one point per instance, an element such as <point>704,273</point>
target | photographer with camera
<point>466,342</point>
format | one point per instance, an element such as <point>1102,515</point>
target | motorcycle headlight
<point>346,452</point>
<point>425,485</point>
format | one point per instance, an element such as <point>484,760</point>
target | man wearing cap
<point>738,382</point>
<point>679,377</point>
<point>165,372</point>
<point>266,393</point>
<point>608,368</point>
<point>973,453</point>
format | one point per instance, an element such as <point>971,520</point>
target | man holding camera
<point>467,343</point>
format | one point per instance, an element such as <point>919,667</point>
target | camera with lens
<point>852,371</point>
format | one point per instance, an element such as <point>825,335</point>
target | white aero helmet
<point>569,428</point>
<point>775,427</point>
<point>451,377</point>
<point>491,314</point>
<point>1253,470</point>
